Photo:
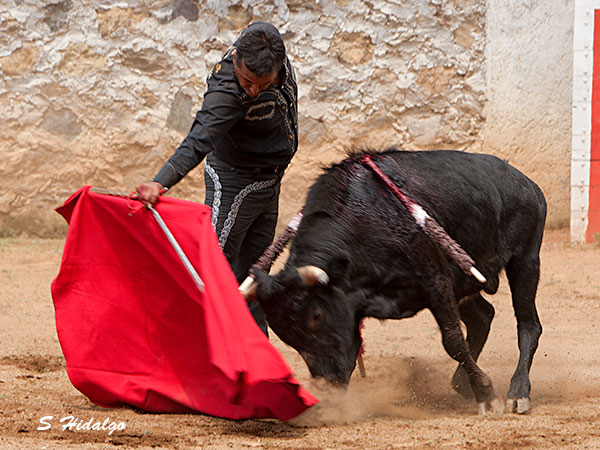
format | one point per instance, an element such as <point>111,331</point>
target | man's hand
<point>149,192</point>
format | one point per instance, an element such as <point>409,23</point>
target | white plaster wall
<point>528,114</point>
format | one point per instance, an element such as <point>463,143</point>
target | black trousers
<point>245,206</point>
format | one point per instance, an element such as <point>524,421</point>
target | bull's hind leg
<point>447,315</point>
<point>523,275</point>
<point>477,315</point>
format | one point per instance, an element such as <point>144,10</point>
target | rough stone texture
<point>113,19</point>
<point>351,48</point>
<point>179,115</point>
<point>62,123</point>
<point>101,92</point>
<point>21,60</point>
<point>79,59</point>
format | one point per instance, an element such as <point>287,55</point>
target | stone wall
<point>101,92</point>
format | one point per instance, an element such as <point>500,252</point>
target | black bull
<point>359,253</point>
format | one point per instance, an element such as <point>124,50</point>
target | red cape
<point>135,329</point>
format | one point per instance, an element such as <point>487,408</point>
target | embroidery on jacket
<point>237,203</point>
<point>288,85</point>
<point>218,193</point>
<point>286,119</point>
<point>262,111</point>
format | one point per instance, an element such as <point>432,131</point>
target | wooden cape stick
<point>163,226</point>
<point>182,256</point>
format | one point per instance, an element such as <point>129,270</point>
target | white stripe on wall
<point>583,43</point>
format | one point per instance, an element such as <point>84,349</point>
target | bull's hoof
<point>461,384</point>
<point>518,405</point>
<point>490,408</point>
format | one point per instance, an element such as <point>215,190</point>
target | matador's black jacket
<point>250,133</point>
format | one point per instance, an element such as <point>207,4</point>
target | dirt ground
<point>404,402</point>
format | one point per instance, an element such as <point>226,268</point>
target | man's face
<point>252,84</point>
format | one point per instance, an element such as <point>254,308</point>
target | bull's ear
<point>338,266</point>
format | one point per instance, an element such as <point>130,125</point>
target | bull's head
<point>311,313</point>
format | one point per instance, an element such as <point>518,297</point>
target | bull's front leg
<point>446,314</point>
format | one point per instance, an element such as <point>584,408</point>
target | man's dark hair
<point>261,52</point>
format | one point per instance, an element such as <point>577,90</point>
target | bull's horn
<point>248,288</point>
<point>312,275</point>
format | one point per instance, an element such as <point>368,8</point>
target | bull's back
<point>489,207</point>
<point>467,180</point>
<point>464,190</point>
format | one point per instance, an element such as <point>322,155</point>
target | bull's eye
<point>315,318</point>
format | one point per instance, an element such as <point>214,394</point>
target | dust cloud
<point>411,388</point>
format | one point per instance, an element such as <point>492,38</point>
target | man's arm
<point>220,111</point>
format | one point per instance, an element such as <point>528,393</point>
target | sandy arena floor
<point>405,401</point>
